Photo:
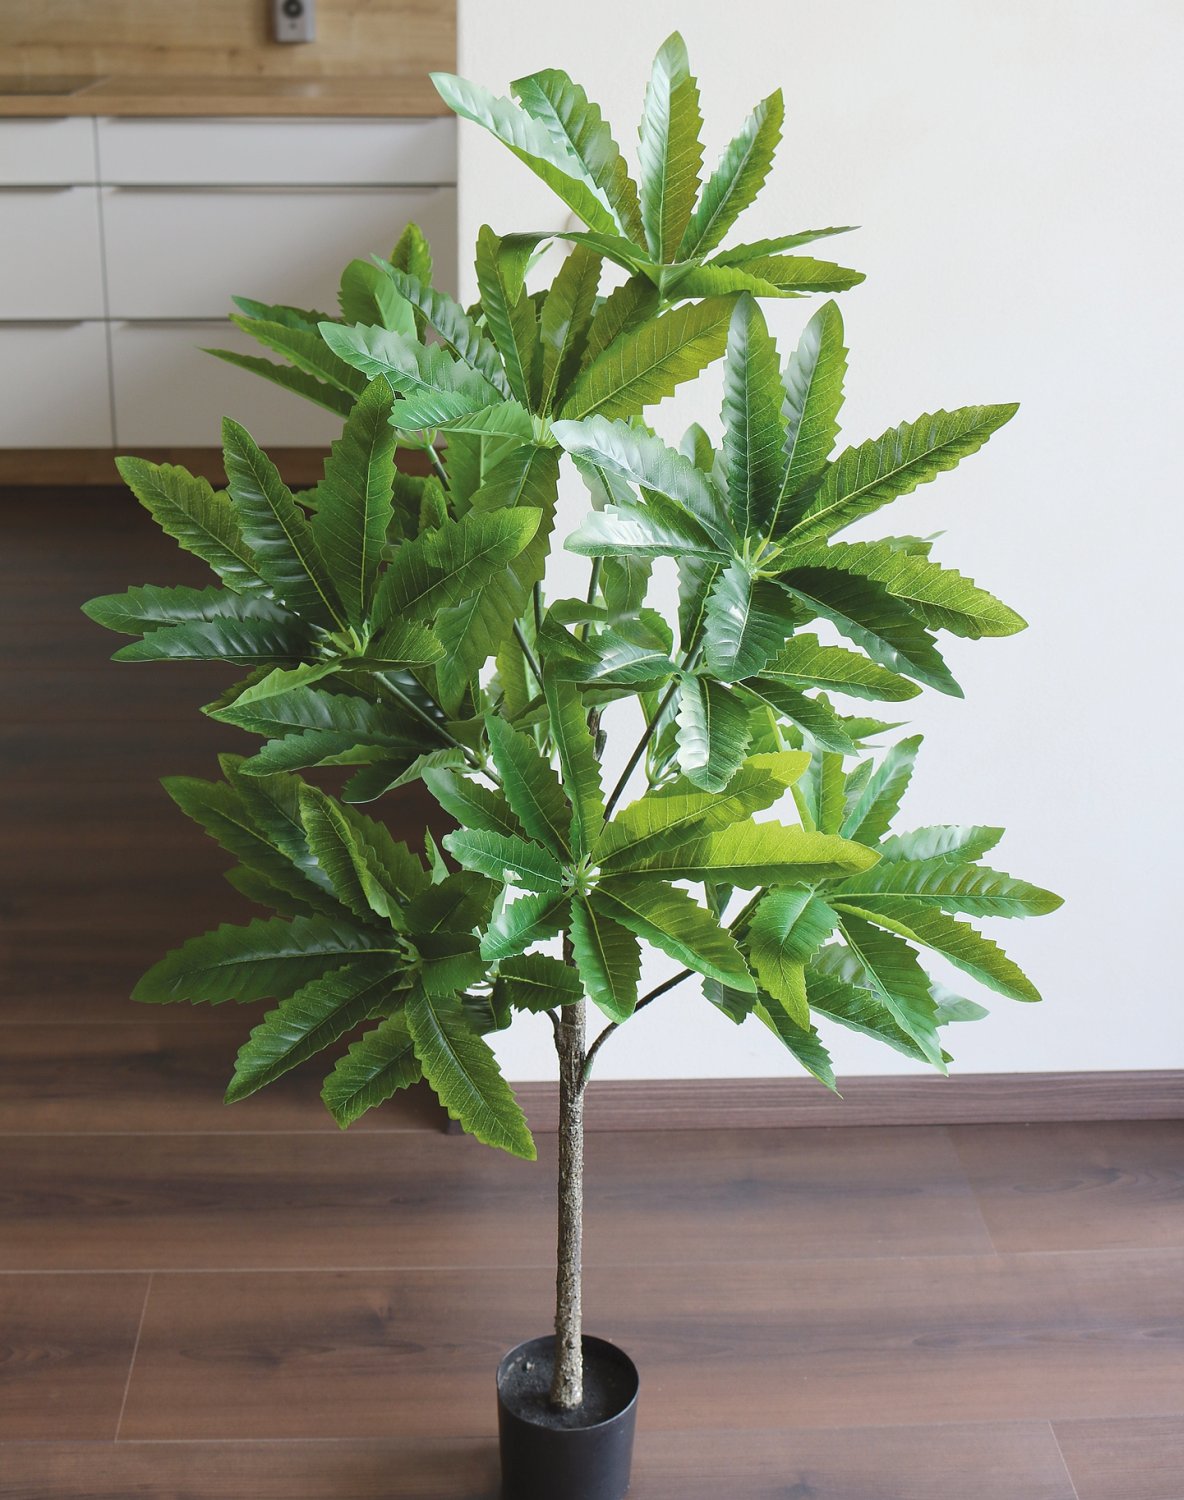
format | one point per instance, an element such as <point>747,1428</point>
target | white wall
<point>1015,167</point>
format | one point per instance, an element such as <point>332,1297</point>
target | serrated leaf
<point>894,975</point>
<point>577,762</point>
<point>792,275</point>
<point>267,957</point>
<point>813,384</point>
<point>457,329</point>
<point>671,920</point>
<point>738,254</point>
<point>870,810</point>
<point>628,531</point>
<point>530,919</point>
<point>332,398</point>
<point>802,1041</point>
<point>864,478</point>
<point>647,363</point>
<point>713,732</point>
<point>465,1076</point>
<point>309,1021</point>
<point>531,786</point>
<point>836,989</point>
<point>754,854</point>
<point>367,295</point>
<point>608,959</point>
<point>375,1067</point>
<point>276,530</point>
<point>941,841</point>
<point>564,320</point>
<point>436,388</point>
<point>669,150</point>
<point>501,857</point>
<point>367,870</point>
<point>511,318</point>
<point>354,501</point>
<point>747,620</point>
<point>149,608</point>
<point>413,254</point>
<point>251,643</point>
<point>471,804</point>
<point>626,307</point>
<point>754,428</point>
<point>972,890</point>
<point>200,519</point>
<point>440,567</point>
<point>737,179</point>
<point>535,982</point>
<point>805,662</point>
<point>305,349</point>
<point>819,792</point>
<point>786,930</point>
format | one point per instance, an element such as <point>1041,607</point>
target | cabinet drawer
<point>333,152</point>
<point>169,393</point>
<point>55,384</point>
<point>51,265</point>
<point>47,151</point>
<point>184,254</point>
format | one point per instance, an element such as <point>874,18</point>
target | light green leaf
<point>786,930</point>
<point>826,729</point>
<point>870,811</point>
<point>577,762</point>
<point>737,179</point>
<point>738,254</point>
<point>813,398</point>
<point>893,974</point>
<point>531,786</point>
<point>436,388</point>
<point>530,919</point>
<point>458,330</point>
<point>669,150</point>
<point>375,1067</point>
<point>747,622</point>
<point>673,921</point>
<point>367,295</point>
<point>791,275</point>
<point>564,320</point>
<point>819,793</point>
<point>755,854</point>
<point>836,989</point>
<point>511,317</point>
<point>471,804</point>
<point>199,519</point>
<point>754,429</point>
<point>973,890</point>
<point>608,959</point>
<point>439,568</point>
<point>942,841</point>
<point>626,307</point>
<point>713,733</point>
<point>512,861</point>
<point>802,1041</point>
<point>805,662</point>
<point>535,983</point>
<point>629,531</point>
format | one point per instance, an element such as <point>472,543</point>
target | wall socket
<point>294,20</point>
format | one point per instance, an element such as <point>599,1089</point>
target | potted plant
<point>395,627</point>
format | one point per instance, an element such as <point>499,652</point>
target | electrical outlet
<point>294,20</point>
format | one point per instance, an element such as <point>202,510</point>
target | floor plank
<point>1135,1459</point>
<point>1100,1186</point>
<point>324,1199</point>
<point>811,1344</point>
<point>986,1461</point>
<point>66,1346</point>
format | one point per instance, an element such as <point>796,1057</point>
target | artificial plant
<point>394,626</point>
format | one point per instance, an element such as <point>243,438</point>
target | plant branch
<point>434,725</point>
<point>436,463</point>
<point>531,660</point>
<point>639,751</point>
<point>654,994</point>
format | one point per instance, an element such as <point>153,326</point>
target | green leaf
<point>564,320</point>
<point>456,903</point>
<point>242,642</point>
<point>452,323</point>
<point>530,919</point>
<point>791,275</point>
<point>942,841</point>
<point>866,613</point>
<point>471,804</point>
<point>893,974</point>
<point>713,733</point>
<point>436,388</point>
<point>754,429</point>
<point>965,947</point>
<point>747,622</point>
<point>149,608</point>
<point>276,530</point>
<point>610,659</point>
<point>306,349</point>
<point>863,479</point>
<point>413,254</point>
<point>531,142</point>
<point>535,983</point>
<point>669,150</point>
<point>354,504</point>
<point>941,597</point>
<point>266,957</point>
<point>309,1021</point>
<point>679,812</point>
<point>199,519</point>
<point>577,762</point>
<point>368,295</point>
<point>512,861</point>
<point>804,662</point>
<point>331,397</point>
<point>738,254</point>
<point>366,869</point>
<point>647,363</point>
<point>973,890</point>
<point>628,531</point>
<point>626,307</point>
<point>375,1067</point>
<point>439,568</point>
<point>608,959</point>
<point>272,804</point>
<point>813,398</point>
<point>737,179</point>
<point>755,854</point>
<point>580,131</point>
<point>787,929</point>
<point>819,793</point>
<point>531,786</point>
<point>836,989</point>
<point>801,1041</point>
<point>673,921</point>
<point>827,730</point>
<point>511,318</point>
<point>465,1076</point>
<point>870,812</point>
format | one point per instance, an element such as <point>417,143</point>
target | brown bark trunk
<point>567,1387</point>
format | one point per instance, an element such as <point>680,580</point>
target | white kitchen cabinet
<point>53,380</point>
<point>255,152</point>
<point>169,393</point>
<point>184,253</point>
<point>51,254</point>
<point>55,152</point>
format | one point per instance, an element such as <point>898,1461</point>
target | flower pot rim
<point>588,1340</point>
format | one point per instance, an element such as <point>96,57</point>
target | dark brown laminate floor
<point>201,1303</point>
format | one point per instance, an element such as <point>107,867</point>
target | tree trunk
<point>567,1387</point>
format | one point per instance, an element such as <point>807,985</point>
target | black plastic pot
<point>582,1455</point>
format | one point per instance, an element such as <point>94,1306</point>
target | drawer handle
<point>257,189</point>
<point>46,322</point>
<point>42,187</point>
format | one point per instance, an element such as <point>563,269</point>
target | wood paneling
<point>65,1351</point>
<point>1136,1459</point>
<point>53,467</point>
<point>1075,1187</point>
<point>821,1343</point>
<point>147,39</point>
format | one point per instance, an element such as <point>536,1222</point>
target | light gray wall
<point>1015,167</point>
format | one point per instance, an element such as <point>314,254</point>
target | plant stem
<point>567,1386</point>
<point>434,460</point>
<point>640,750</point>
<point>438,729</point>
<point>660,989</point>
<point>531,660</point>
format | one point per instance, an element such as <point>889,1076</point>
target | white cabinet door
<point>50,255</point>
<point>170,393</point>
<point>47,151</point>
<point>228,152</point>
<point>183,254</point>
<point>53,377</point>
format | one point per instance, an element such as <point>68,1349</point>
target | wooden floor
<point>207,1304</point>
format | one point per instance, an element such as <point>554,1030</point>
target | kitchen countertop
<point>398,95</point>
